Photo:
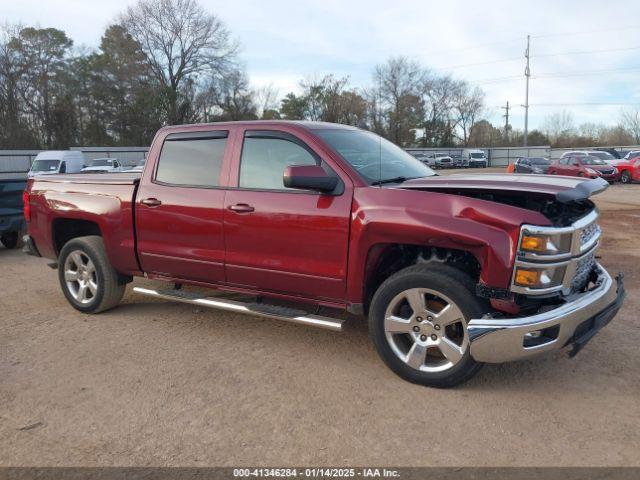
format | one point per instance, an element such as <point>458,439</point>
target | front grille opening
<point>540,337</point>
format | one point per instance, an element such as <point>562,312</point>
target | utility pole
<point>506,121</point>
<point>527,74</point>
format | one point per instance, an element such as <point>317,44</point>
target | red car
<point>629,169</point>
<point>588,166</point>
<point>295,220</point>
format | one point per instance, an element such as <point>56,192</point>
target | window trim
<point>189,136</point>
<point>286,136</point>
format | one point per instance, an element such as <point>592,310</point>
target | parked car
<point>631,154</point>
<point>458,161</point>
<point>612,151</point>
<point>103,165</point>
<point>443,160</point>
<point>138,167</point>
<point>605,156</point>
<point>475,158</point>
<point>56,161</point>
<point>629,169</point>
<point>580,165</point>
<point>532,165</point>
<point>451,271</point>
<point>11,220</point>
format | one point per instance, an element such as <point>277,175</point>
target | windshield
<point>374,158</point>
<point>45,166</point>
<point>477,155</point>
<point>539,161</point>
<point>591,160</point>
<point>603,155</point>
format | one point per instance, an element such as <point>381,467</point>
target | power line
<point>584,32</point>
<point>587,72</point>
<point>585,52</point>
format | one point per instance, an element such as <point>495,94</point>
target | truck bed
<point>90,203</point>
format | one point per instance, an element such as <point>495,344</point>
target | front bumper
<point>496,340</point>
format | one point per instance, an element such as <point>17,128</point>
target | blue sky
<point>284,41</point>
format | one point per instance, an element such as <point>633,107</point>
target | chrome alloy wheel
<point>426,330</point>
<point>81,277</point>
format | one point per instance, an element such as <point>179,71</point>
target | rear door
<point>279,239</point>
<point>179,207</point>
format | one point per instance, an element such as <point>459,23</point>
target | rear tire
<point>10,240</point>
<point>418,324</point>
<point>87,279</point>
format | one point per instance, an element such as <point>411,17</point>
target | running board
<point>258,309</point>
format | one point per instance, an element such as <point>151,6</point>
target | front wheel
<point>625,177</point>
<point>88,280</point>
<point>418,323</point>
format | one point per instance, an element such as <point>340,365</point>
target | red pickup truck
<point>304,218</point>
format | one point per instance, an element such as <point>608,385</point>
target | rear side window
<point>192,159</point>
<point>264,159</point>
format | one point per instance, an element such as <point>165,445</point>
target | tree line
<point>165,62</point>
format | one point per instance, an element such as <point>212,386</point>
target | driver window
<point>264,160</point>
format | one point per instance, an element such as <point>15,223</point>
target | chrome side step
<point>266,311</point>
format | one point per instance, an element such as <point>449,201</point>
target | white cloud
<point>285,41</point>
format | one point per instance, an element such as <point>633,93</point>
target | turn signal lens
<point>26,206</point>
<point>534,244</point>
<point>528,278</point>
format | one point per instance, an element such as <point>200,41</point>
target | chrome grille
<point>583,270</point>
<point>589,232</point>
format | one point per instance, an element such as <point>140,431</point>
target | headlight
<point>537,170</point>
<point>539,277</point>
<point>592,171</point>
<point>538,244</point>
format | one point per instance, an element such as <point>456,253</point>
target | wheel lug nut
<point>416,328</point>
<point>437,327</point>
<point>429,318</point>
<point>434,337</point>
<point>418,319</point>
<point>423,337</point>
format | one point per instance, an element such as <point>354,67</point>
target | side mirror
<point>309,177</point>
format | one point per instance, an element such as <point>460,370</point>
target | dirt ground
<point>154,383</point>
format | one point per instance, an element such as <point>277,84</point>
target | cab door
<point>279,239</point>
<point>179,207</point>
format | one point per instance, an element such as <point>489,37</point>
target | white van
<point>475,157</point>
<point>57,161</point>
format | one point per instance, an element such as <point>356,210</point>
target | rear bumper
<point>496,340</point>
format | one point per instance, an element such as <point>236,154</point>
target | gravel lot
<point>163,384</point>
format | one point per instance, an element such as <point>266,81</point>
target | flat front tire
<point>87,279</point>
<point>418,324</point>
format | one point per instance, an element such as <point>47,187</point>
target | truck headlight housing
<point>537,243</point>
<point>539,277</point>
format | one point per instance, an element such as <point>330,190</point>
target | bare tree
<point>179,40</point>
<point>559,127</point>
<point>399,83</point>
<point>630,121</point>
<point>266,99</point>
<point>468,105</point>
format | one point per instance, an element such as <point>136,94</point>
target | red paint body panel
<point>631,165</point>
<point>299,245</point>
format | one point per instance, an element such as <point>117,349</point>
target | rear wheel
<point>88,280</point>
<point>9,240</point>
<point>418,323</point>
<point>625,177</point>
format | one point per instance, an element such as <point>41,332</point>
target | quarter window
<point>190,161</point>
<point>264,159</point>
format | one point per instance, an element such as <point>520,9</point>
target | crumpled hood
<point>564,189</point>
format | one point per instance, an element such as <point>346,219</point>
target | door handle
<point>151,202</point>
<point>241,208</point>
